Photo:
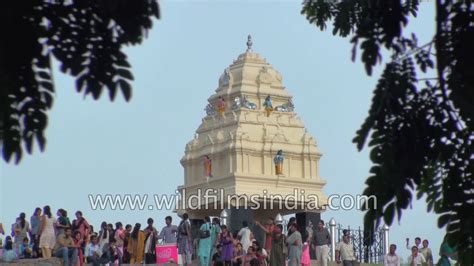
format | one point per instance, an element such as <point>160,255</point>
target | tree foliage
<point>420,125</point>
<point>86,37</point>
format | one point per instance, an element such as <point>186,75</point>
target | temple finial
<point>249,43</point>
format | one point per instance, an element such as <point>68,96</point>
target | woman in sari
<point>426,251</point>
<point>294,243</point>
<point>136,245</point>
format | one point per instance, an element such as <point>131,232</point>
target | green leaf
<point>443,220</point>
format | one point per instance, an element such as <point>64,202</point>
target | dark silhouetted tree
<point>85,36</point>
<point>421,120</point>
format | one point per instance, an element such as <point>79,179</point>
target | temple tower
<point>249,118</point>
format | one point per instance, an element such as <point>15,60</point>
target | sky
<point>100,147</point>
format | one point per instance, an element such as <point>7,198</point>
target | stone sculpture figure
<point>210,110</point>
<point>287,107</point>
<point>278,160</point>
<point>221,106</point>
<point>247,104</point>
<point>237,104</point>
<point>268,105</point>
<point>207,162</point>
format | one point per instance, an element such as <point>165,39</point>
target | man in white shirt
<point>391,259</point>
<point>416,258</point>
<point>93,252</point>
<point>345,251</point>
<point>417,243</point>
<point>245,236</point>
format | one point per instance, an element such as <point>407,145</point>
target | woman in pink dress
<point>305,259</point>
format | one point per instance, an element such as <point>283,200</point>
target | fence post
<point>386,242</point>
<point>332,226</point>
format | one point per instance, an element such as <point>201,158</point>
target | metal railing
<point>366,250</point>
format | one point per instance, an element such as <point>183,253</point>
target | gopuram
<point>251,155</point>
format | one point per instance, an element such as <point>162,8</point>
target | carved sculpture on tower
<point>268,105</point>
<point>207,163</point>
<point>221,105</point>
<point>278,160</point>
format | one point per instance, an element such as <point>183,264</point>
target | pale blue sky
<point>135,148</point>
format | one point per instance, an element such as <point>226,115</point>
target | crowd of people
<point>77,243</point>
<point>421,254</point>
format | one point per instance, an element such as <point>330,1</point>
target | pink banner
<point>165,253</point>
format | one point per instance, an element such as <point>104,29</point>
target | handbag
<point>204,233</point>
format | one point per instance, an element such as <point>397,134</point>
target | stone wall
<point>35,262</point>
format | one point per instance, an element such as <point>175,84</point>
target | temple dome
<point>241,136</point>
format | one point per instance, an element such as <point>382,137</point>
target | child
<point>26,249</point>
<point>305,259</point>
<point>217,257</point>
<point>9,254</point>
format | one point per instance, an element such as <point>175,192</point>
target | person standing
<point>204,250</point>
<point>103,235</point>
<point>151,236</point>
<point>245,236</point>
<point>185,241</point>
<point>291,221</point>
<point>80,224</point>
<point>62,221</point>
<point>426,251</point>
<point>305,257</point>
<point>278,252</point>
<point>168,233</point>
<point>391,259</point>
<point>416,258</point>
<point>417,243</point>
<point>294,242</point>
<point>446,252</point>
<point>35,222</point>
<point>21,231</point>
<point>126,240</point>
<point>226,240</point>
<point>345,251</point>
<point>322,240</point>
<point>215,231</point>
<point>119,236</point>
<point>47,237</point>
<point>136,245</point>
<point>268,229</point>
